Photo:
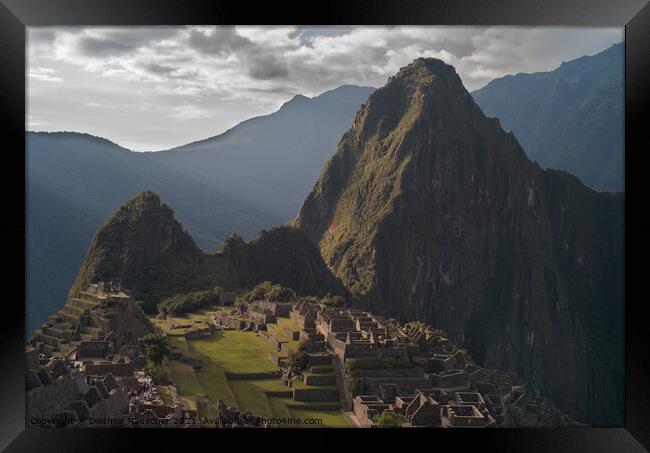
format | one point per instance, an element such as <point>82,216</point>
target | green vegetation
<point>236,351</point>
<point>159,374</point>
<point>186,379</point>
<point>389,419</point>
<point>297,360</point>
<point>239,352</point>
<point>156,348</point>
<point>189,302</point>
<point>333,300</point>
<point>270,291</point>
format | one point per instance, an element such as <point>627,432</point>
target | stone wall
<point>116,369</point>
<point>44,402</point>
<point>92,349</point>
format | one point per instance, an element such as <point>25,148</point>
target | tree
<point>389,419</point>
<point>332,300</point>
<point>297,360</point>
<point>155,347</point>
<point>270,291</point>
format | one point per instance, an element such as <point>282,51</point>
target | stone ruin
<point>251,316</point>
<point>89,383</point>
<point>445,388</point>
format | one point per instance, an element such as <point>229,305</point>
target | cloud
<point>43,74</point>
<point>233,73</point>
<point>218,41</point>
<point>266,67</point>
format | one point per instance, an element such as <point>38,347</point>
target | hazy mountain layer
<point>271,162</point>
<point>249,178</point>
<point>571,118</point>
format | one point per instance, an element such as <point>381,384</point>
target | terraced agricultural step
<point>320,395</point>
<point>72,310</point>
<point>319,359</point>
<point>92,330</point>
<point>57,333</point>
<point>61,325</point>
<point>321,369</point>
<point>319,379</point>
<point>72,319</point>
<point>315,406</point>
<point>83,304</point>
<point>54,319</point>
<point>47,339</point>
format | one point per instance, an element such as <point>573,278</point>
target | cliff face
<point>430,211</point>
<point>281,255</point>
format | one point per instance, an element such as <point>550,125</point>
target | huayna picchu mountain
<point>146,248</point>
<point>430,211</point>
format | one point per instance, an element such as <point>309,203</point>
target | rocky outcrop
<point>430,211</point>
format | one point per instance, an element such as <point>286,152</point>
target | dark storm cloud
<point>219,41</point>
<point>109,42</point>
<point>267,67</point>
<point>103,47</point>
<point>262,64</point>
<point>159,69</point>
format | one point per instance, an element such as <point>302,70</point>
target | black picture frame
<point>634,15</point>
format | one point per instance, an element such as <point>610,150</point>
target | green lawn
<point>287,322</point>
<point>213,380</point>
<point>278,333</point>
<point>251,397</point>
<point>186,379</point>
<point>240,352</point>
<point>236,351</point>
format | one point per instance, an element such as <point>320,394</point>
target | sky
<point>153,88</point>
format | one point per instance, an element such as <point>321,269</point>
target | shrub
<point>389,419</point>
<point>159,375</point>
<point>298,360</point>
<point>332,300</point>
<point>188,303</point>
<point>270,291</point>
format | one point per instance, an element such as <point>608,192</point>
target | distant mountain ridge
<point>249,178</point>
<point>271,160</point>
<point>570,118</point>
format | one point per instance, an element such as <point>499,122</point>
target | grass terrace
<point>232,352</point>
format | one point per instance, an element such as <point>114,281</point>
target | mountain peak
<point>423,71</point>
<point>430,211</point>
<point>297,100</point>
<point>141,234</point>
